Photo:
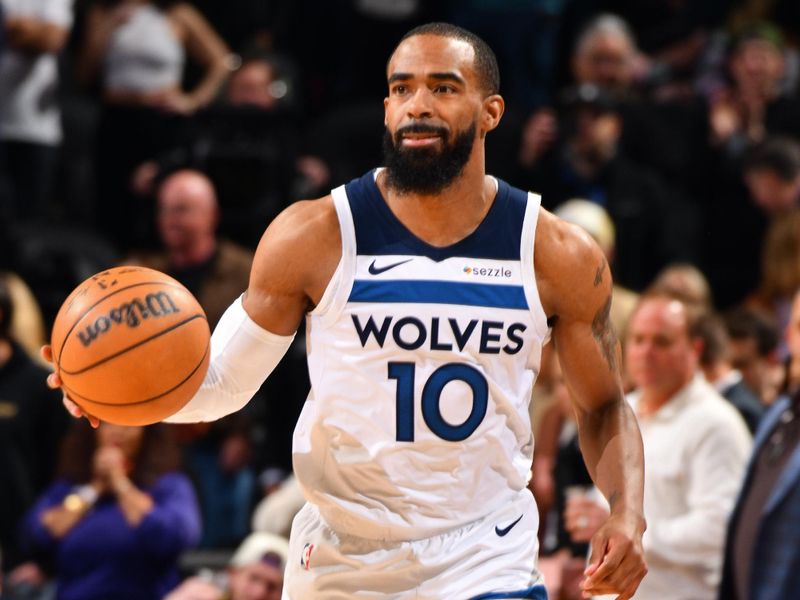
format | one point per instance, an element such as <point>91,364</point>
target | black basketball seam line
<point>136,345</point>
<point>169,391</point>
<point>103,299</point>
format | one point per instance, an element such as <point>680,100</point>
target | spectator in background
<point>755,103</point>
<point>30,126</point>
<point>31,429</point>
<point>762,556</point>
<point>695,446</point>
<point>684,282</point>
<point>255,572</point>
<point>754,351</point>
<point>588,162</point>
<point>780,271</point>
<point>136,50</point>
<point>246,143</point>
<point>216,271</point>
<point>772,175</point>
<point>118,516</point>
<point>716,365</point>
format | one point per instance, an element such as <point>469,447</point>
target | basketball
<point>131,345</point>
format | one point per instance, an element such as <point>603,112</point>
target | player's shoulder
<point>570,266</point>
<point>560,245</point>
<point>306,219</point>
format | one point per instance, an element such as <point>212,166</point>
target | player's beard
<point>426,170</point>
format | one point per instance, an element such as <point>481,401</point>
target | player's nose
<point>420,104</point>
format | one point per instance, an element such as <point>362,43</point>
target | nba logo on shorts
<point>305,559</point>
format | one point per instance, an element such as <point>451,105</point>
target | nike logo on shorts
<point>378,270</point>
<point>505,530</point>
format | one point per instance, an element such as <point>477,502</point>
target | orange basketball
<point>131,345</point>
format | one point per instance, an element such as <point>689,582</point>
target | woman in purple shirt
<point>119,515</point>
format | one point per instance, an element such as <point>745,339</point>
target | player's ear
<point>385,112</point>
<point>493,108</point>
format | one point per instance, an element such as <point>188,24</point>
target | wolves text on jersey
<point>410,333</point>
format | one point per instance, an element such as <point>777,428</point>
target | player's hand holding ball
<point>130,346</point>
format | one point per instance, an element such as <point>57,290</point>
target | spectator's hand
<point>27,573</point>
<point>538,135</point>
<point>173,101</point>
<point>616,563</point>
<point>109,463</point>
<point>144,177</point>
<point>583,516</point>
<point>54,382</point>
<point>724,119</point>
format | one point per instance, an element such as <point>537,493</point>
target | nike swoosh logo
<point>378,270</point>
<point>505,530</point>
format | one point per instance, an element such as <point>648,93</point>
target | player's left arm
<point>575,286</point>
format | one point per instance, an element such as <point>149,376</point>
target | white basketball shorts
<point>494,557</point>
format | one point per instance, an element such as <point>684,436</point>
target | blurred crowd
<point>169,134</point>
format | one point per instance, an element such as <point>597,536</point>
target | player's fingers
<point>72,408</point>
<point>54,381</point>
<point>77,412</point>
<point>598,550</point>
<point>46,352</point>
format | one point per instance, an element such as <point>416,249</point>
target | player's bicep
<point>588,351</point>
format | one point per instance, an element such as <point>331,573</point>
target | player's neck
<point>445,218</point>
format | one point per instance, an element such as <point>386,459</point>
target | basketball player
<point>429,289</point>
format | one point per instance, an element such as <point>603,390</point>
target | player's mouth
<point>417,141</point>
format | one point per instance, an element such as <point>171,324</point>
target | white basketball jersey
<point>422,360</point>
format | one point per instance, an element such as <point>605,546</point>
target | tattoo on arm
<point>598,276</point>
<point>613,498</point>
<point>603,333</point>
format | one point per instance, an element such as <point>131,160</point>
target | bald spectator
<point>695,446</point>
<point>216,271</point>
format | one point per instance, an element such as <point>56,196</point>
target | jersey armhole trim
<point>526,259</point>
<point>336,293</point>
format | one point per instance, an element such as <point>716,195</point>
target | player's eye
<point>399,89</point>
<point>444,89</point>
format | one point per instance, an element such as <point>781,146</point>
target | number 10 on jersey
<point>404,373</point>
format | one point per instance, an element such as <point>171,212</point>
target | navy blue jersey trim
<point>380,232</point>
<point>537,592</point>
<point>439,292</point>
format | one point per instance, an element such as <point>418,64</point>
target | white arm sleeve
<point>243,354</point>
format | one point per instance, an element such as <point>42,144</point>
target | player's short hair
<point>749,323</point>
<point>778,154</point>
<point>485,60</point>
<point>6,310</point>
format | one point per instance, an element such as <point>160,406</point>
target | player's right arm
<point>295,260</point>
<point>575,287</point>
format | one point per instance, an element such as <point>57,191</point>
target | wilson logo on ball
<point>157,304</point>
